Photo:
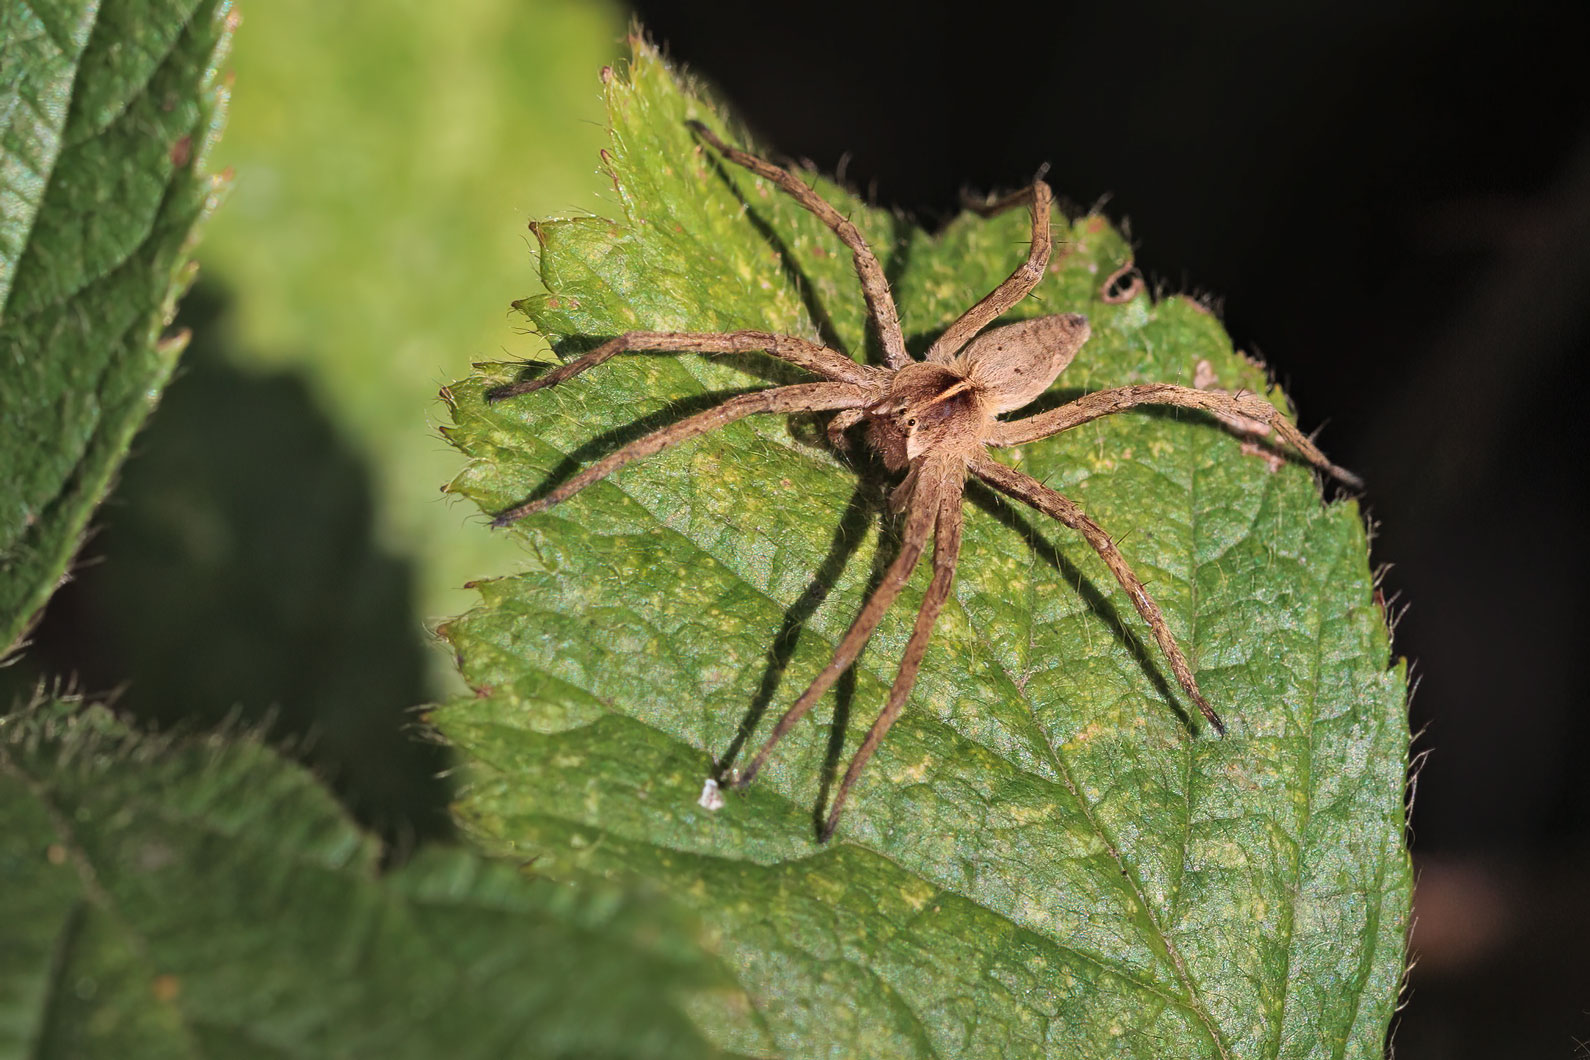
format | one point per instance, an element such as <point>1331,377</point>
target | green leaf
<point>246,521</point>
<point>206,898</point>
<point>376,233</point>
<point>108,112</point>
<point>1044,859</point>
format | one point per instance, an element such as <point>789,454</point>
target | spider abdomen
<point>1015,363</point>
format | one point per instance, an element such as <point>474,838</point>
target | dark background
<point>1393,206</point>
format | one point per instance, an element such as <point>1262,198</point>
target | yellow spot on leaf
<point>917,895</point>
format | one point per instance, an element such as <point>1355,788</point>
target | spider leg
<point>1016,287</point>
<point>798,397</point>
<point>819,360</point>
<point>946,550</point>
<point>1029,490</point>
<point>1107,402</point>
<point>988,206</point>
<point>874,285</point>
<point>918,523</point>
<point>841,423</point>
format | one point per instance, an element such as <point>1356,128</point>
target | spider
<point>934,419</point>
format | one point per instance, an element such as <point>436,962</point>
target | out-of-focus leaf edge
<point>41,556</point>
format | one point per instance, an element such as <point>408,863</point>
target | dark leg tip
<point>496,395</point>
<point>1347,478</point>
<point>527,386</point>
<point>701,130</point>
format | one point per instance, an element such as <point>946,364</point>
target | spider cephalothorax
<point>933,419</point>
<point>948,408</point>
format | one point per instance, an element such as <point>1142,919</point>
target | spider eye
<point>911,422</point>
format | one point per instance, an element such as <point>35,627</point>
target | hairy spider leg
<point>797,397</point>
<point>1117,399</point>
<point>815,358</point>
<point>921,514</point>
<point>874,284</point>
<point>946,551</point>
<point>1017,285</point>
<point>841,422</point>
<point>1029,490</point>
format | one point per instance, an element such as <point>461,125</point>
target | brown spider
<point>931,418</point>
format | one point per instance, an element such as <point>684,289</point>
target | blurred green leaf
<point>107,116</point>
<point>283,508</point>
<point>204,897</point>
<point>247,522</point>
<point>1043,859</point>
<point>387,158</point>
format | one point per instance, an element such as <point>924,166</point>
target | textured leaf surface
<point>108,112</point>
<point>207,898</point>
<point>1043,859</point>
